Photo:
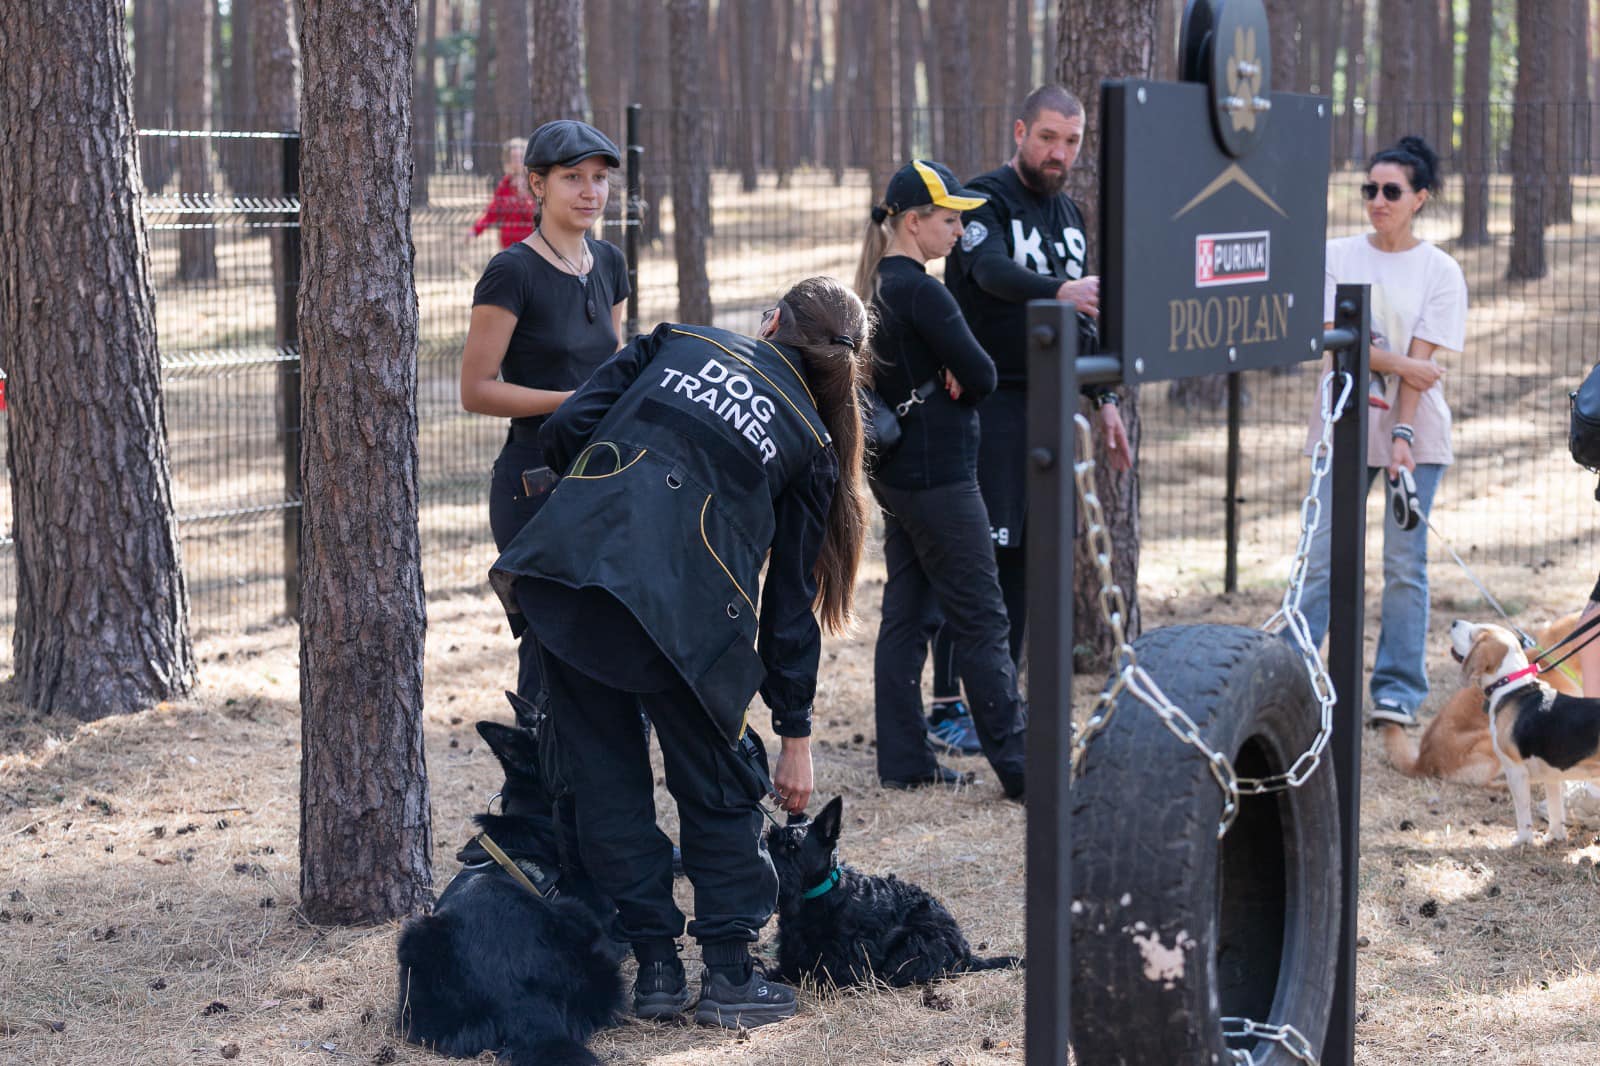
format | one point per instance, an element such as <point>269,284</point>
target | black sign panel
<point>1210,264</point>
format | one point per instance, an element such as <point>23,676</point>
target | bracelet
<point>1403,431</point>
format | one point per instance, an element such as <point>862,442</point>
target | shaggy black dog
<point>498,968</point>
<point>842,927</point>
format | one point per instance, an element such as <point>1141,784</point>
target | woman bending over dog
<point>691,458</point>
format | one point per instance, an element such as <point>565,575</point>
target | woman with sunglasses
<point>937,546</point>
<point>696,461</point>
<point>545,314</point>
<point>1419,315</point>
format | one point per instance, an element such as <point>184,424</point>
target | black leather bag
<point>1583,435</point>
<point>881,424</point>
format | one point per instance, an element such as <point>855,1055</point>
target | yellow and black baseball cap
<point>922,182</point>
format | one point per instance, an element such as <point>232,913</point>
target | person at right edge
<point>1026,243</point>
<point>936,543</point>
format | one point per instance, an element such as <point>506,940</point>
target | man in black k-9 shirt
<point>1025,243</point>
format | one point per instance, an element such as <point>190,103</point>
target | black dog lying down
<point>497,967</point>
<point>841,927</point>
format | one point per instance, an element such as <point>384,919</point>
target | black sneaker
<point>660,991</point>
<point>756,1002</point>
<point>941,775</point>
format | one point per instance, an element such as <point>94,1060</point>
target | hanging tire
<point>1173,929</point>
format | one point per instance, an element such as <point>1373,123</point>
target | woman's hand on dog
<point>792,781</point>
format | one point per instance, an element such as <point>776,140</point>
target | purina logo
<point>1231,258</point>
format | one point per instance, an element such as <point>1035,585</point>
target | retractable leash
<point>1528,643</point>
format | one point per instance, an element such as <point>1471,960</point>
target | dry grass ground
<point>148,883</point>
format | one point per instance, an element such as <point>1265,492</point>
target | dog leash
<point>1527,642</point>
<point>506,864</point>
<point>1577,631</point>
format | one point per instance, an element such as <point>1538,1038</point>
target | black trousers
<point>629,857</point>
<point>937,549</point>
<point>1012,564</point>
<point>509,510</point>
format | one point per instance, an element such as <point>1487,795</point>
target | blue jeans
<point>1400,676</point>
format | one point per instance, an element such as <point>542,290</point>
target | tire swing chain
<point>1130,675</point>
<point>1292,1040</point>
<point>1133,677</point>
<point>1289,616</point>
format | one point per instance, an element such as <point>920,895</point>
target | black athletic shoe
<point>660,991</point>
<point>756,1002</point>
<point>941,775</point>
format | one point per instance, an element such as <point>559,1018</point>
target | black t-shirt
<point>921,331</point>
<point>1019,246</point>
<point>554,345</point>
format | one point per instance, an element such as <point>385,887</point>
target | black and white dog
<point>518,965</point>
<point>842,927</point>
<point>1539,734</point>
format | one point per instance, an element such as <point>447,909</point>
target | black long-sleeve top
<point>788,638</point>
<point>921,331</point>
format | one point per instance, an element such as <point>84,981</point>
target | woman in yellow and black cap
<point>932,370</point>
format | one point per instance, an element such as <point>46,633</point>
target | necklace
<point>582,275</point>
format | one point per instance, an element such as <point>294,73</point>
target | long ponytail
<point>828,325</point>
<point>873,244</point>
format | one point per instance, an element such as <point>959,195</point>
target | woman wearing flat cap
<point>545,314</point>
<point>936,546</point>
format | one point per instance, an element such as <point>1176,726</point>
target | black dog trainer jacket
<point>689,456</point>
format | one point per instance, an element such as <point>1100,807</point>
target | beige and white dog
<point>1537,733</point>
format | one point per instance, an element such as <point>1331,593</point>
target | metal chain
<point>1288,1036</point>
<point>1129,675</point>
<point>1289,616</point>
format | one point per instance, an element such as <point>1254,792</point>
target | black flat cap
<point>566,142</point>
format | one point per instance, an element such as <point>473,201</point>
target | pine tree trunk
<point>881,150</point>
<point>1021,64</point>
<point>1530,142</point>
<point>907,51</point>
<point>365,838</point>
<point>1349,139</point>
<point>275,57</point>
<point>424,100</point>
<point>655,92</point>
<point>751,72</point>
<point>197,247</point>
<point>953,107</point>
<point>558,60</point>
<point>1166,41</point>
<point>102,614</point>
<point>691,180</point>
<point>1283,19</point>
<point>517,110</point>
<point>152,89</point>
<point>1563,77</point>
<point>603,30</point>
<point>487,133</point>
<point>1476,162</point>
<point>1106,39</point>
<point>1395,69</point>
<point>237,107</point>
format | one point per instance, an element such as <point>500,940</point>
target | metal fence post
<point>1230,566</point>
<point>632,218</point>
<point>1348,526</point>
<point>1052,402</point>
<point>288,339</point>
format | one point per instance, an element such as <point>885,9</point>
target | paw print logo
<point>1244,77</point>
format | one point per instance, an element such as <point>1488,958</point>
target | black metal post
<point>1052,402</point>
<point>632,218</point>
<point>1230,565</point>
<point>1348,524</point>
<point>288,338</point>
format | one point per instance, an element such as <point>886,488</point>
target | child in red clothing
<point>513,208</point>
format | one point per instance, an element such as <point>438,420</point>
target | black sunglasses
<point>1391,191</point>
